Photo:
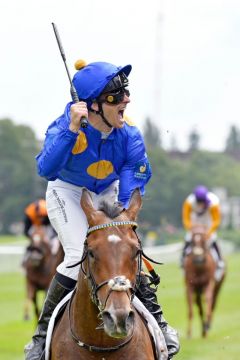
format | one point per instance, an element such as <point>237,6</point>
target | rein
<point>118,283</point>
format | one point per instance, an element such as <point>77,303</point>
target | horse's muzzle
<point>118,323</point>
<point>198,255</point>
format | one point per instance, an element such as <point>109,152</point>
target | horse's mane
<point>112,210</point>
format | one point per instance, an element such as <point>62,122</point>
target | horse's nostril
<point>107,318</point>
<point>131,315</point>
<point>130,319</point>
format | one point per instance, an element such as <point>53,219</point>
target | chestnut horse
<point>40,266</point>
<point>201,285</point>
<point>100,322</point>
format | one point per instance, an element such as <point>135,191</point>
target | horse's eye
<point>136,253</point>
<point>91,254</point>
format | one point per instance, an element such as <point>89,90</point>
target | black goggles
<point>114,97</point>
<point>118,82</point>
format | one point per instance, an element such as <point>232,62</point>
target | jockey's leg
<point>147,295</point>
<point>185,247</point>
<point>217,249</point>
<point>59,288</point>
<point>220,261</point>
<point>70,223</point>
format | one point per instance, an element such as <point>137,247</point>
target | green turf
<point>222,342</point>
<point>13,240</point>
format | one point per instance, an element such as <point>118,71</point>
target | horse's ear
<point>87,205</point>
<point>135,205</point>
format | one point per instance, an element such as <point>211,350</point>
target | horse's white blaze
<point>198,238</point>
<point>114,238</point>
<point>36,239</point>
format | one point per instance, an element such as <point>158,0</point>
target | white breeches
<point>69,220</point>
<point>188,237</point>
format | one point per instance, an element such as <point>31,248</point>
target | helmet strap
<point>100,112</point>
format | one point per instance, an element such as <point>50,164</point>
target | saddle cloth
<point>160,345</point>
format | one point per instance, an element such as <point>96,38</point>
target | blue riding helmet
<point>201,194</point>
<point>91,80</point>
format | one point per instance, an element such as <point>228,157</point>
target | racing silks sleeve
<point>186,215</point>
<point>216,218</point>
<point>136,171</point>
<point>57,148</point>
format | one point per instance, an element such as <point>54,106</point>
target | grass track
<point>223,341</point>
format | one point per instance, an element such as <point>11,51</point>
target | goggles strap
<point>100,112</point>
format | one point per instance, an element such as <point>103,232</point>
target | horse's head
<point>39,247</point>
<point>199,244</point>
<point>112,261</point>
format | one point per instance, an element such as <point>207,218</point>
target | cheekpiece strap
<point>114,223</point>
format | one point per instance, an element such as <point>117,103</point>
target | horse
<point>99,322</point>
<point>201,285</point>
<point>40,265</point>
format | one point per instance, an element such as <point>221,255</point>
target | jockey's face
<point>114,112</point>
<point>201,207</point>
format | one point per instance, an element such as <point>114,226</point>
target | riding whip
<point>155,276</point>
<point>83,120</point>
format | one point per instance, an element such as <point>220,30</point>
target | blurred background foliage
<point>19,182</point>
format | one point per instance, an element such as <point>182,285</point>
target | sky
<point>185,57</point>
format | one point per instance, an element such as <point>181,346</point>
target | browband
<point>114,223</point>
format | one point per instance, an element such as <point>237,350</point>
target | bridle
<point>39,249</point>
<point>199,250</point>
<point>118,283</point>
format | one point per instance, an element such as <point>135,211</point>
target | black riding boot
<point>147,295</point>
<point>184,251</point>
<point>220,262</point>
<point>59,288</point>
<point>217,249</point>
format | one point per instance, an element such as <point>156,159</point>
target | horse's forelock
<point>112,210</point>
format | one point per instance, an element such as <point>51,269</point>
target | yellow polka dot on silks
<point>100,170</point>
<point>81,144</point>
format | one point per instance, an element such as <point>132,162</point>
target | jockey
<point>36,215</point>
<point>202,208</point>
<point>108,158</point>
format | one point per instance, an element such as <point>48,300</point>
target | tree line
<point>19,182</point>
<point>175,173</point>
